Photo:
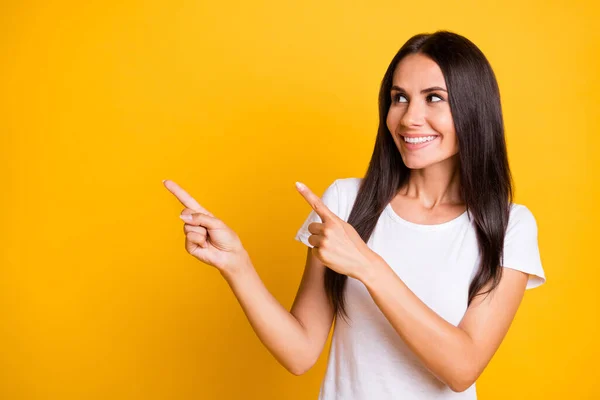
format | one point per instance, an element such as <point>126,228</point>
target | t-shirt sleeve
<point>521,251</point>
<point>331,199</point>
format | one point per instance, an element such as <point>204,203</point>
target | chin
<point>420,162</point>
<point>416,163</point>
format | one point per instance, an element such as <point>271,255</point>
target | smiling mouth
<point>419,140</point>
<point>418,143</point>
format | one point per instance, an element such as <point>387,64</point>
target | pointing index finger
<point>315,202</point>
<point>184,197</point>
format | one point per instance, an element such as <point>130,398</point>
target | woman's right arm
<point>295,338</point>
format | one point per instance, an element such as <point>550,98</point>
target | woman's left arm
<point>456,355</point>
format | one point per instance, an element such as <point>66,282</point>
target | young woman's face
<point>422,118</point>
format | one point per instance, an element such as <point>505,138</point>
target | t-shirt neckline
<point>444,225</point>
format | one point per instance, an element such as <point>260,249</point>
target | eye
<point>435,95</point>
<point>396,97</point>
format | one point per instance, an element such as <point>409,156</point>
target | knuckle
<point>192,228</point>
<point>322,256</point>
<point>195,237</point>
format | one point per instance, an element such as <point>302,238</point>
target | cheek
<point>443,119</point>
<point>451,141</point>
<point>445,125</point>
<point>391,121</point>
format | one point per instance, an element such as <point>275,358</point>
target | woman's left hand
<point>336,242</point>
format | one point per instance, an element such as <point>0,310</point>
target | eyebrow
<point>431,89</point>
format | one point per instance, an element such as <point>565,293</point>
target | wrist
<point>374,269</point>
<point>240,267</point>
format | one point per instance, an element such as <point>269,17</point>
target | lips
<point>417,135</point>
<point>417,146</point>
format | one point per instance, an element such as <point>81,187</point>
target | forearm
<point>280,332</point>
<point>446,350</point>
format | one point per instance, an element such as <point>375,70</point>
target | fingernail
<point>300,185</point>
<point>186,217</point>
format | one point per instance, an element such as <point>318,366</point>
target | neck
<point>437,184</point>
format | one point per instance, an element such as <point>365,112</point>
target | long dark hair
<point>485,178</point>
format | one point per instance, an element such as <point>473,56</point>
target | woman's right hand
<point>207,237</point>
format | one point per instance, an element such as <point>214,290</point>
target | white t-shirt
<point>368,359</point>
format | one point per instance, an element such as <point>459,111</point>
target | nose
<point>413,116</point>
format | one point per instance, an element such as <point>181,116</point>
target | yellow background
<point>102,100</point>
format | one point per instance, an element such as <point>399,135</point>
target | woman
<point>423,262</point>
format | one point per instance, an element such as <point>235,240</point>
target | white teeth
<point>419,140</point>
